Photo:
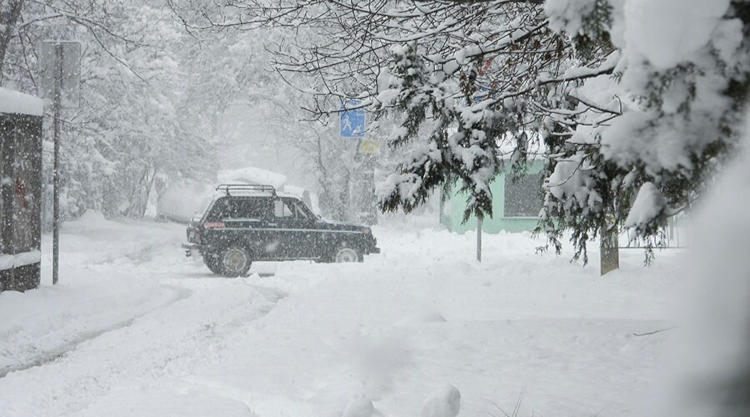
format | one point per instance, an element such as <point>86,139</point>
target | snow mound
<point>444,403</point>
<point>361,407</point>
<point>90,220</point>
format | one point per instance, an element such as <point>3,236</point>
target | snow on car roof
<point>287,195</point>
<point>252,175</point>
<point>15,102</point>
<point>253,193</point>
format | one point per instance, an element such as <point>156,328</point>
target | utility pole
<point>56,107</point>
<point>60,73</point>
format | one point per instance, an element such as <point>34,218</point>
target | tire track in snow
<point>180,293</point>
<point>168,343</point>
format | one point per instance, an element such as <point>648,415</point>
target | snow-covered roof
<point>14,102</point>
<point>252,175</point>
<point>16,260</point>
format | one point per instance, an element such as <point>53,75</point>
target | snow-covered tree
<point>643,144</point>
<point>632,103</point>
<point>134,125</point>
<point>471,83</point>
<point>342,174</point>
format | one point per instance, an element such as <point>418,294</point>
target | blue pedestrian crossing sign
<point>353,122</point>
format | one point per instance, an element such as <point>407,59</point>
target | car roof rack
<point>236,189</point>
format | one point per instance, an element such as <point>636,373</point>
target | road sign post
<point>353,125</point>
<point>57,103</point>
<point>60,82</point>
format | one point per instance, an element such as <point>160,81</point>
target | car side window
<point>238,209</point>
<point>281,209</point>
<point>222,209</point>
<point>300,209</point>
<point>251,208</point>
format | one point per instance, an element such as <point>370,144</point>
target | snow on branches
<point>613,94</point>
<point>662,126</point>
<point>466,98</point>
<point>442,154</point>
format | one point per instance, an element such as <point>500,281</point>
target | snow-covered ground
<point>136,329</point>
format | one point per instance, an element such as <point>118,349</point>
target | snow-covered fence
<point>20,190</point>
<point>673,236</point>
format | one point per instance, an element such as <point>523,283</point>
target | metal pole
<point>56,164</point>
<point>479,239</point>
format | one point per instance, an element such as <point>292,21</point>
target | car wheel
<point>347,254</point>
<point>213,262</point>
<point>235,261</point>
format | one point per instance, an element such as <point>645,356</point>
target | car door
<point>316,236</point>
<point>245,221</point>
<point>257,219</point>
<point>294,230</point>
<point>306,224</point>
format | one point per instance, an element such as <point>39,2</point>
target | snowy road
<point>59,342</point>
<point>137,330</point>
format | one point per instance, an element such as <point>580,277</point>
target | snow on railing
<point>8,261</point>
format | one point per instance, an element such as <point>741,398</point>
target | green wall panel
<point>453,206</point>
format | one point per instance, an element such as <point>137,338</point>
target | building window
<point>523,196</point>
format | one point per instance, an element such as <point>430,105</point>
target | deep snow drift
<point>135,329</point>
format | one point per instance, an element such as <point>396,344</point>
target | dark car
<point>254,223</point>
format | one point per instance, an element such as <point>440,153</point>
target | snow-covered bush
<point>137,124</point>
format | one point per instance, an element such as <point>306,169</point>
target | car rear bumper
<point>374,250</point>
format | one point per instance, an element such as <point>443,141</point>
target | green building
<point>516,204</point>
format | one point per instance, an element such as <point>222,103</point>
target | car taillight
<point>214,225</point>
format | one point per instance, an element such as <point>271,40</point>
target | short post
<point>479,238</point>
